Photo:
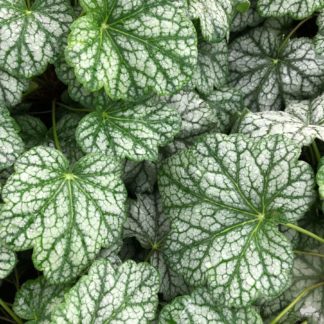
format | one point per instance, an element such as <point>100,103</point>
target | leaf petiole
<point>10,312</point>
<point>304,231</point>
<point>316,151</point>
<point>301,295</point>
<point>84,110</point>
<point>56,139</point>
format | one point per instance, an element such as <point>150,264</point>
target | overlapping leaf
<point>132,48</point>
<point>302,122</point>
<point>32,37</point>
<point>7,261</point>
<point>67,213</point>
<point>11,145</point>
<point>150,226</point>
<point>308,280</point>
<point>319,38</point>
<point>129,131</point>
<point>267,72</point>
<point>200,308</point>
<point>36,299</point>
<point>297,9</point>
<point>226,197</point>
<point>107,295</point>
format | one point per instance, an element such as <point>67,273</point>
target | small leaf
<point>297,9</point>
<point>199,308</point>
<point>308,273</point>
<point>129,131</point>
<point>125,295</point>
<point>11,87</point>
<point>132,48</point>
<point>302,122</point>
<point>7,261</point>
<point>36,299</point>
<point>267,77</point>
<point>226,197</point>
<point>67,213</point>
<point>31,38</point>
<point>212,70</point>
<point>33,130</point>
<point>148,223</point>
<point>11,145</point>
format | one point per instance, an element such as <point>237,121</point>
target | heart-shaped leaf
<point>199,308</point>
<point>31,37</point>
<point>129,131</point>
<point>297,9</point>
<point>150,226</point>
<point>11,145</point>
<point>7,261</point>
<point>226,196</point>
<point>108,295</point>
<point>67,213</point>
<point>120,46</point>
<point>267,72</point>
<point>36,299</point>
<point>301,121</point>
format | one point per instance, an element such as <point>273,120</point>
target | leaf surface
<point>7,261</point>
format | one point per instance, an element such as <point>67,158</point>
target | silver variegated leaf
<point>226,197</point>
<point>7,261</point>
<point>66,212</point>
<point>319,38</point>
<point>127,294</point>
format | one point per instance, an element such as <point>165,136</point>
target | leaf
<point>320,179</point>
<point>199,308</point>
<point>319,38</point>
<point>33,130</point>
<point>36,299</point>
<point>148,223</point>
<point>265,77</point>
<point>301,122</point>
<point>67,213</point>
<point>129,131</point>
<point>11,145</point>
<point>308,274</point>
<point>212,70</point>
<point>106,295</point>
<point>11,87</point>
<point>120,46</point>
<point>297,9</point>
<point>7,261</point>
<point>226,197</point>
<point>31,37</point>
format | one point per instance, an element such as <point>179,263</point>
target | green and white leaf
<point>148,223</point>
<point>265,77</point>
<point>7,261</point>
<point>308,274</point>
<point>76,91</point>
<point>297,9</point>
<point>319,38</point>
<point>32,130</point>
<point>66,128</point>
<point>226,197</point>
<point>302,122</point>
<point>120,46</point>
<point>11,88</point>
<point>200,308</point>
<point>107,295</point>
<point>31,38</point>
<point>212,70</point>
<point>11,145</point>
<point>36,299</point>
<point>134,132</point>
<point>67,213</point>
<point>140,177</point>
<point>320,179</point>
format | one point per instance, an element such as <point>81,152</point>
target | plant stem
<point>303,231</point>
<point>316,151</point>
<point>10,312</point>
<point>311,253</point>
<point>74,109</point>
<point>295,301</point>
<point>28,4</point>
<point>285,41</point>
<point>56,140</point>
